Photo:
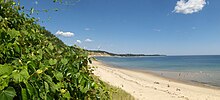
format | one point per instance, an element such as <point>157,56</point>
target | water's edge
<point>189,82</point>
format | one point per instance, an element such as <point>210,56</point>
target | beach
<point>147,86</point>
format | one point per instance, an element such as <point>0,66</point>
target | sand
<point>146,86</point>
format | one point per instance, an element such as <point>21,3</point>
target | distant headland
<point>105,53</point>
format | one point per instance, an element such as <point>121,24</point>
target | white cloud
<point>65,34</point>
<point>36,2</point>
<point>78,41</point>
<point>88,40</point>
<point>189,6</point>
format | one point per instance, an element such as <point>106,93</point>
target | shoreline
<point>142,84</point>
<point>189,82</point>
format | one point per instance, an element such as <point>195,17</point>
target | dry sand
<point>146,86</point>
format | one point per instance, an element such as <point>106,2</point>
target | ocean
<point>195,69</point>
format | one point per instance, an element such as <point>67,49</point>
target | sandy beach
<point>146,86</point>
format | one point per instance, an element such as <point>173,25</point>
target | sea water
<point>202,69</point>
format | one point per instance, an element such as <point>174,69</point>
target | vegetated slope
<point>34,64</point>
<point>105,53</point>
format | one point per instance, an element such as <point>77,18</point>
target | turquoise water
<point>202,69</point>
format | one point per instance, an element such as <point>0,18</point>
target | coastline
<point>145,85</point>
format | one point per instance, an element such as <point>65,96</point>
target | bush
<point>34,64</point>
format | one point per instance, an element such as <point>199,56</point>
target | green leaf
<point>50,46</point>
<point>1,18</point>
<point>52,61</point>
<point>13,33</point>
<point>14,3</point>
<point>59,85</point>
<point>67,95</point>
<point>7,94</point>
<point>88,85</point>
<point>46,87</point>
<point>5,69</point>
<point>32,11</point>
<point>49,80</point>
<point>4,80</point>
<point>20,76</point>
<point>58,75</point>
<point>40,52</point>
<point>24,94</point>
<point>29,88</point>
<point>31,66</point>
<point>47,51</point>
<point>17,48</point>
<point>64,61</point>
<point>39,57</point>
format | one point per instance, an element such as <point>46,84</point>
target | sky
<point>170,27</point>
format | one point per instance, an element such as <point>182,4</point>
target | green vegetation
<point>118,94</point>
<point>34,64</point>
<point>115,93</point>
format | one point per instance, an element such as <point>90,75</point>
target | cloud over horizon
<point>78,41</point>
<point>88,40</point>
<point>64,34</point>
<point>189,6</point>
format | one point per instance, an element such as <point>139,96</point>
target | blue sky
<point>171,27</point>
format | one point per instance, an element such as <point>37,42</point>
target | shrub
<point>34,64</point>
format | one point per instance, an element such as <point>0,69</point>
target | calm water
<point>203,69</point>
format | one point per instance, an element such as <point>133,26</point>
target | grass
<point>117,93</point>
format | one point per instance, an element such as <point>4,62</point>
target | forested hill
<point>105,53</point>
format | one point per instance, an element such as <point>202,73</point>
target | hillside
<point>35,64</point>
<point>105,53</point>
